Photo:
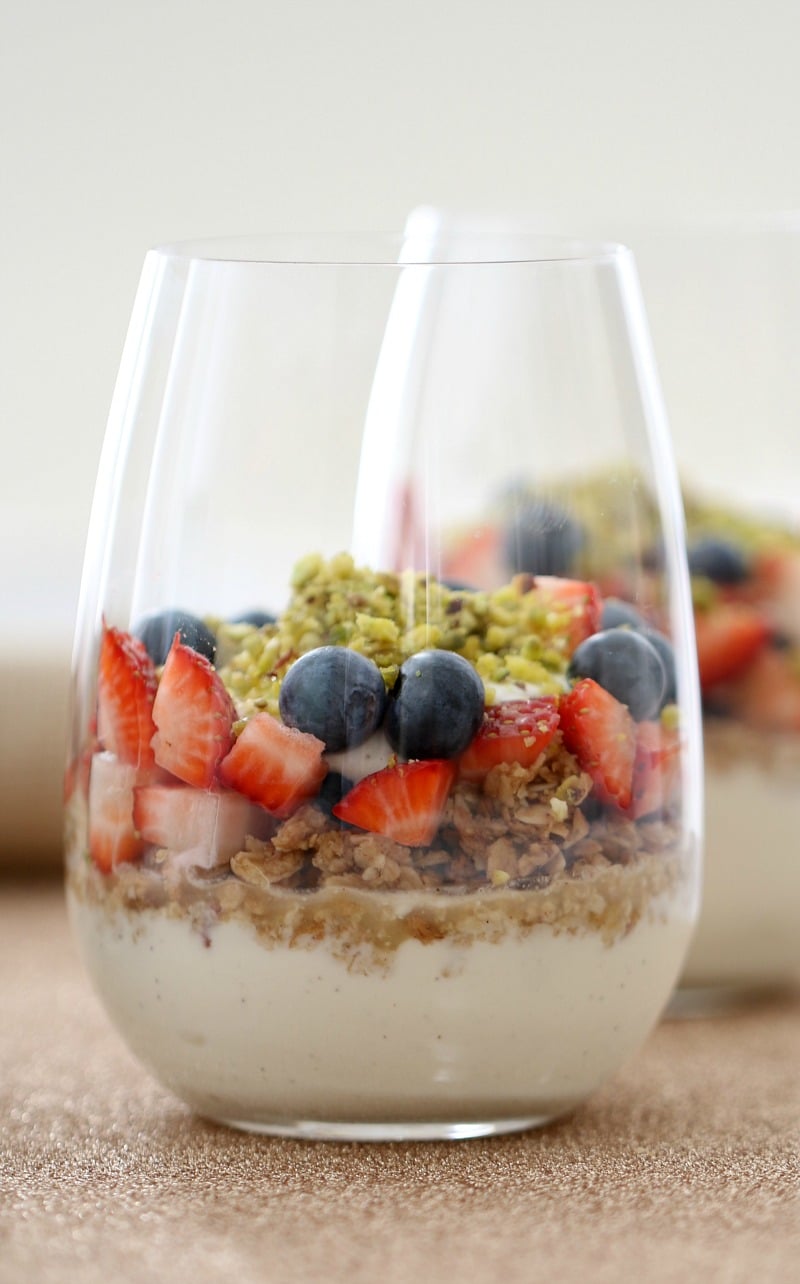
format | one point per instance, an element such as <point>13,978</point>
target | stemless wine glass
<point>381,822</point>
<point>723,297</point>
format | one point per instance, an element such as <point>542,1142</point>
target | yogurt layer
<point>748,928</point>
<point>269,1033</point>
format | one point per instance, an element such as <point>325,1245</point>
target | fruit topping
<point>729,637</point>
<point>157,632</point>
<point>542,538</point>
<point>516,731</point>
<point>436,706</point>
<point>601,733</point>
<point>126,688</point>
<point>617,614</point>
<point>717,560</point>
<point>112,834</point>
<point>193,714</point>
<point>767,695</point>
<point>335,694</point>
<point>476,561</point>
<point>333,789</point>
<point>655,769</point>
<point>258,619</point>
<point>276,766</point>
<point>404,802</point>
<point>206,827</point>
<point>627,665</point>
<point>577,605</point>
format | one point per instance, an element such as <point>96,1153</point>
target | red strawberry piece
<point>194,715</point>
<point>602,735</point>
<point>516,731</point>
<point>126,688</point>
<point>276,766</point>
<point>656,768</point>
<point>578,606</point>
<point>112,834</point>
<point>767,695</point>
<point>729,637</point>
<point>477,559</point>
<point>206,826</point>
<point>404,802</point>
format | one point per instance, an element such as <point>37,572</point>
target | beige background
<point>126,125</point>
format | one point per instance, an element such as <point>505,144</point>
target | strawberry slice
<point>207,827</point>
<point>404,803</point>
<point>276,766</point>
<point>477,559</point>
<point>516,731</point>
<point>193,715</point>
<point>729,637</point>
<point>768,694</point>
<point>578,606</point>
<point>656,768</point>
<point>112,833</point>
<point>602,734</point>
<point>126,687</point>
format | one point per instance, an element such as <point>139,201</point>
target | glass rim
<point>432,247</point>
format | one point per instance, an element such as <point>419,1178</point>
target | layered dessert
<point>746,587</point>
<point>745,578</point>
<point>409,855</point>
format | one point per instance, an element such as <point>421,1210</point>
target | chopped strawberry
<point>656,767</point>
<point>112,833</point>
<point>729,637</point>
<point>126,688</point>
<point>274,765</point>
<point>576,604</point>
<point>477,560</point>
<point>206,826</point>
<point>783,593</point>
<point>194,715</point>
<point>768,694</point>
<point>404,802</point>
<point>602,734</point>
<point>516,731</point>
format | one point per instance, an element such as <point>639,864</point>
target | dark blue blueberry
<point>542,539</point>
<point>335,694</point>
<point>332,791</point>
<point>667,656</point>
<point>718,560</point>
<point>157,632</point>
<point>627,665</point>
<point>257,618</point>
<point>457,586</point>
<point>617,613</point>
<point>437,706</point>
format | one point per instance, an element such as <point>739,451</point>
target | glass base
<point>322,1130</point>
<point>692,1002</point>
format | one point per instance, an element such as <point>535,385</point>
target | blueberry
<point>257,618</point>
<point>617,613</point>
<point>157,632</point>
<point>627,665</point>
<point>542,539</point>
<point>332,791</point>
<point>718,560</point>
<point>667,657</point>
<point>437,706</point>
<point>335,694</point>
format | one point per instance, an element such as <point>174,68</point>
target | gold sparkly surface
<point>686,1167</point>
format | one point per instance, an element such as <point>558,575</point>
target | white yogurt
<point>749,928</point>
<point>266,1035</point>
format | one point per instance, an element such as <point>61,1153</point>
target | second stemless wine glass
<point>382,822</point>
<point>723,296</point>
